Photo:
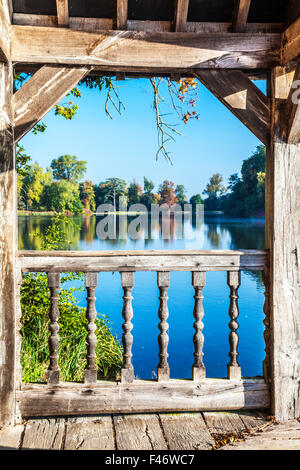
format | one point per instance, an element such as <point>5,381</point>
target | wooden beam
<point>293,109</point>
<point>122,13</point>
<point>8,191</point>
<point>62,9</point>
<point>41,92</point>
<point>181,14</point>
<point>290,42</point>
<point>240,15</point>
<point>234,89</point>
<point>4,31</point>
<point>132,49</point>
<point>282,239</point>
<point>106,24</point>
<point>142,396</point>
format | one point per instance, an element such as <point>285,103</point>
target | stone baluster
<point>233,368</point>
<point>198,281</point>
<point>18,377</point>
<point>53,370</point>
<point>127,372</point>
<point>163,370</point>
<point>90,373</point>
<point>266,321</point>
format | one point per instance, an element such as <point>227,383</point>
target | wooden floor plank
<point>139,432</point>
<point>224,423</point>
<point>10,438</point>
<point>44,434</point>
<point>253,419</point>
<point>186,431</point>
<point>90,433</point>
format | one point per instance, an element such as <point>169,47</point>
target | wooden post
<point>127,371</point>
<point>283,241</point>
<point>163,369</point>
<point>90,373</point>
<point>198,369</point>
<point>7,248</point>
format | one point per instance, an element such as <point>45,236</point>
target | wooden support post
<point>7,248</point>
<point>233,368</point>
<point>62,13</point>
<point>198,369</point>
<point>90,373</point>
<point>127,371</point>
<point>283,241</point>
<point>181,14</point>
<point>122,12</point>
<point>163,369</point>
<point>240,15</point>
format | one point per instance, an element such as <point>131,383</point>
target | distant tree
<point>148,186</point>
<point>110,191</point>
<point>215,187</point>
<point>196,199</point>
<point>62,195</point>
<point>87,195</point>
<point>180,193</point>
<point>33,184</point>
<point>167,193</point>
<point>134,193</point>
<point>68,167</point>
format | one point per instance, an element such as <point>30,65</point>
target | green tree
<point>62,195</point>
<point>33,185</point>
<point>134,193</point>
<point>68,167</point>
<point>180,193</point>
<point>87,195</point>
<point>196,199</point>
<point>167,193</point>
<point>110,191</point>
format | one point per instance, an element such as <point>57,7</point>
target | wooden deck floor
<point>180,431</point>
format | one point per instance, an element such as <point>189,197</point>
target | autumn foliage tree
<point>167,193</point>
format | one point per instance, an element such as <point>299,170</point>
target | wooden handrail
<point>150,260</point>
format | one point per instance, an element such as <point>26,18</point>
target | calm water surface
<point>215,232</point>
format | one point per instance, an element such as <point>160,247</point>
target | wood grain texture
<point>242,98</point>
<point>89,433</point>
<point>240,15</point>
<point>130,49</point>
<point>40,93</point>
<point>8,193</point>
<point>198,260</point>
<point>138,432</point>
<point>290,42</point>
<point>142,397</point>
<point>186,431</point>
<point>292,109</point>
<point>181,14</point>
<point>62,9</point>
<point>44,434</point>
<point>4,31</point>
<point>122,13</point>
<point>283,237</point>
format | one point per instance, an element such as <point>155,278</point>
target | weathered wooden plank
<point>122,13</point>
<point>62,8</point>
<point>282,238</point>
<point>8,206</point>
<point>44,434</point>
<point>40,93</point>
<point>138,432</point>
<point>141,261</point>
<point>293,109</point>
<point>240,15</point>
<point>242,98</point>
<point>105,24</point>
<point>4,31</point>
<point>224,423</point>
<point>186,431</point>
<point>290,42</point>
<point>89,433</point>
<point>142,396</point>
<point>132,49</point>
<point>10,437</point>
<point>181,14</point>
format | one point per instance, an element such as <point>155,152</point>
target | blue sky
<point>126,145</point>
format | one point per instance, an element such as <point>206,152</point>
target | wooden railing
<point>128,394</point>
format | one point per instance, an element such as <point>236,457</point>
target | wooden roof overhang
<point>224,43</point>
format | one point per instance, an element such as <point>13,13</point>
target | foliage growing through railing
<point>35,303</point>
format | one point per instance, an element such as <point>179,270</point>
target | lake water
<point>214,232</point>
